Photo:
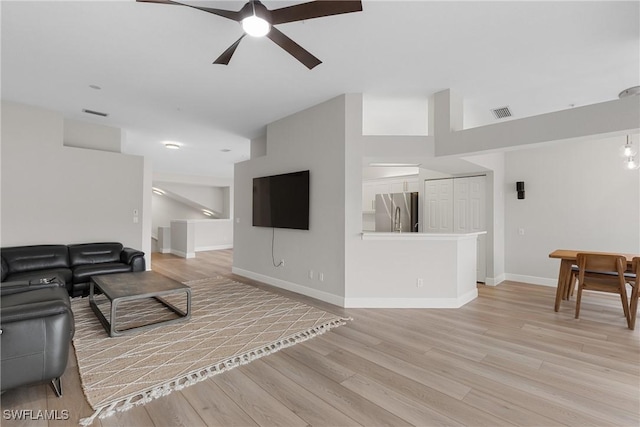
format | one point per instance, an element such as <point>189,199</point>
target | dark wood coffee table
<point>122,287</point>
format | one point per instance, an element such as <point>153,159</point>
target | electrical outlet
<point>521,231</point>
<point>419,283</point>
<point>321,277</point>
<point>310,274</point>
<point>282,262</point>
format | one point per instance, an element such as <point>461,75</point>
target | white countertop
<point>372,235</point>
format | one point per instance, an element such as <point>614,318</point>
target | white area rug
<point>231,324</point>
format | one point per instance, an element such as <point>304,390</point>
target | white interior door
<point>458,205</point>
<point>478,221</point>
<point>438,206</point>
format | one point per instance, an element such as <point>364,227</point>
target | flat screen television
<point>282,201</point>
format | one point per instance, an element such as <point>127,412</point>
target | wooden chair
<point>635,284</point>
<point>604,273</point>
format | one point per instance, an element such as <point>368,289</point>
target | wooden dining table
<point>567,259</point>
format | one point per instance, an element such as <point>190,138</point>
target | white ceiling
<point>154,65</point>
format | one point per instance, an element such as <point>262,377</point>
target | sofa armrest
<point>133,257</point>
<point>14,287</point>
<point>36,310</point>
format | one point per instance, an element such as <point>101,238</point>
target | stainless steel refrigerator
<point>397,212</point>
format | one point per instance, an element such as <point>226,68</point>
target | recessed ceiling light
<point>172,145</point>
<point>96,87</point>
<point>225,150</point>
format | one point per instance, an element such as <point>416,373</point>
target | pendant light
<point>630,154</point>
<point>628,149</point>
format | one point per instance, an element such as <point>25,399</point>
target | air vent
<point>501,113</point>
<point>95,113</point>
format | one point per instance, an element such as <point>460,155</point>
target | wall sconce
<point>520,189</point>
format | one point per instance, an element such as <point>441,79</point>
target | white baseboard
<point>183,254</point>
<point>411,302</point>
<point>165,250</point>
<point>534,280</point>
<point>293,287</point>
<point>214,248</point>
<point>495,281</point>
<point>360,302</point>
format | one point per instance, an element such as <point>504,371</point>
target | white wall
<point>578,195</point>
<point>57,194</point>
<point>312,140</point>
<point>394,115</point>
<point>213,234</point>
<point>224,184</point>
<point>90,135</point>
<point>205,195</point>
<point>165,209</point>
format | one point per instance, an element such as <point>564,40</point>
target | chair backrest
<point>602,263</point>
<point>636,268</point>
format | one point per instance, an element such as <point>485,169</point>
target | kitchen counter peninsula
<point>421,270</point>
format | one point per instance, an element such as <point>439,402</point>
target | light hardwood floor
<point>504,359</point>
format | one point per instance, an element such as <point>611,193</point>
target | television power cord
<point>273,259</point>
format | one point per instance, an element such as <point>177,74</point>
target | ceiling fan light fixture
<point>255,26</point>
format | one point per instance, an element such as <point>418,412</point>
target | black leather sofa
<point>72,265</point>
<point>36,328</point>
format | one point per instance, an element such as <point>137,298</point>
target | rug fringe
<point>195,377</point>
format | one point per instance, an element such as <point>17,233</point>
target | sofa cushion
<point>83,273</point>
<point>40,295</point>
<point>40,257</point>
<point>4,270</point>
<point>94,253</point>
<point>62,274</point>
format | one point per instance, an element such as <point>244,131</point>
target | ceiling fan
<point>259,21</point>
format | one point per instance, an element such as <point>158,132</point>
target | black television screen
<point>282,201</point>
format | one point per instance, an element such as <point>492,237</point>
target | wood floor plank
<point>509,412</point>
<point>215,407</point>
<point>413,390</point>
<point>330,369</point>
<point>295,397</point>
<point>406,369</point>
<point>135,417</point>
<point>262,407</point>
<point>359,408</point>
<point>531,384</point>
<point>173,411</point>
<point>396,403</point>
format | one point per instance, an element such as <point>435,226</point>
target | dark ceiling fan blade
<point>157,1</point>
<point>314,9</point>
<point>227,54</point>
<point>230,14</point>
<point>293,48</point>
